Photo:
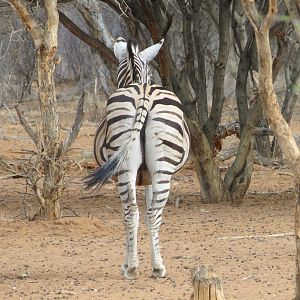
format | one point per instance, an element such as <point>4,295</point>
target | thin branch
<point>10,114</point>
<point>32,134</point>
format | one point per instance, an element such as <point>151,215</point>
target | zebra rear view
<point>143,140</point>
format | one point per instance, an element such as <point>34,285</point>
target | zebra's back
<point>155,113</point>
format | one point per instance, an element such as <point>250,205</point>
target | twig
<point>248,277</point>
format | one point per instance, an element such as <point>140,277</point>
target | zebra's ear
<point>149,53</point>
<point>120,48</point>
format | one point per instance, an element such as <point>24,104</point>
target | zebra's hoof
<point>159,273</point>
<point>129,273</point>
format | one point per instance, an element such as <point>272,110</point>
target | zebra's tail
<point>110,168</point>
<point>113,164</point>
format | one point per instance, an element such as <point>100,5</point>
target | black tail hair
<point>101,174</point>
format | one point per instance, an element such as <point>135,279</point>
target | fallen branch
<point>286,174</point>
<point>255,236</point>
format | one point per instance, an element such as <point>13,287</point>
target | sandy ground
<point>79,256</point>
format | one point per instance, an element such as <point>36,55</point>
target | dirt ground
<point>251,247</point>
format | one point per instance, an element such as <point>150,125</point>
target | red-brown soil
<point>79,256</point>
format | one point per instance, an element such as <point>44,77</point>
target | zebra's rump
<point>154,115</point>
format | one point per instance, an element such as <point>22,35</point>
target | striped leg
<point>156,198</point>
<point>131,219</point>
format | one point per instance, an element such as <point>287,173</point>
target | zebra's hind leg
<point>131,219</point>
<point>156,198</point>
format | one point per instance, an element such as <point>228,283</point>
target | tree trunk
<point>219,71</point>
<point>238,176</point>
<point>48,106</point>
<point>48,143</point>
<point>212,187</point>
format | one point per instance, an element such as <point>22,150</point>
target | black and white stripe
<point>142,140</point>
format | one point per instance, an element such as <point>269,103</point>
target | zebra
<point>143,140</point>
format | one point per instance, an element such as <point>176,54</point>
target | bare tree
<point>46,177</point>
<point>271,108</point>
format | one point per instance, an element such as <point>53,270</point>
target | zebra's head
<point>133,64</point>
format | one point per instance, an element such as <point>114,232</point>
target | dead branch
<point>92,42</point>
<point>73,132</point>
<point>32,134</point>
<point>255,236</point>
<point>122,8</point>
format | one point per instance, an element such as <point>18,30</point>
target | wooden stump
<point>207,285</point>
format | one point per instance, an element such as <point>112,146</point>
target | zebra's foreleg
<point>131,220</point>
<point>156,198</point>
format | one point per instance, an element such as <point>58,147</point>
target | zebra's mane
<point>133,59</point>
